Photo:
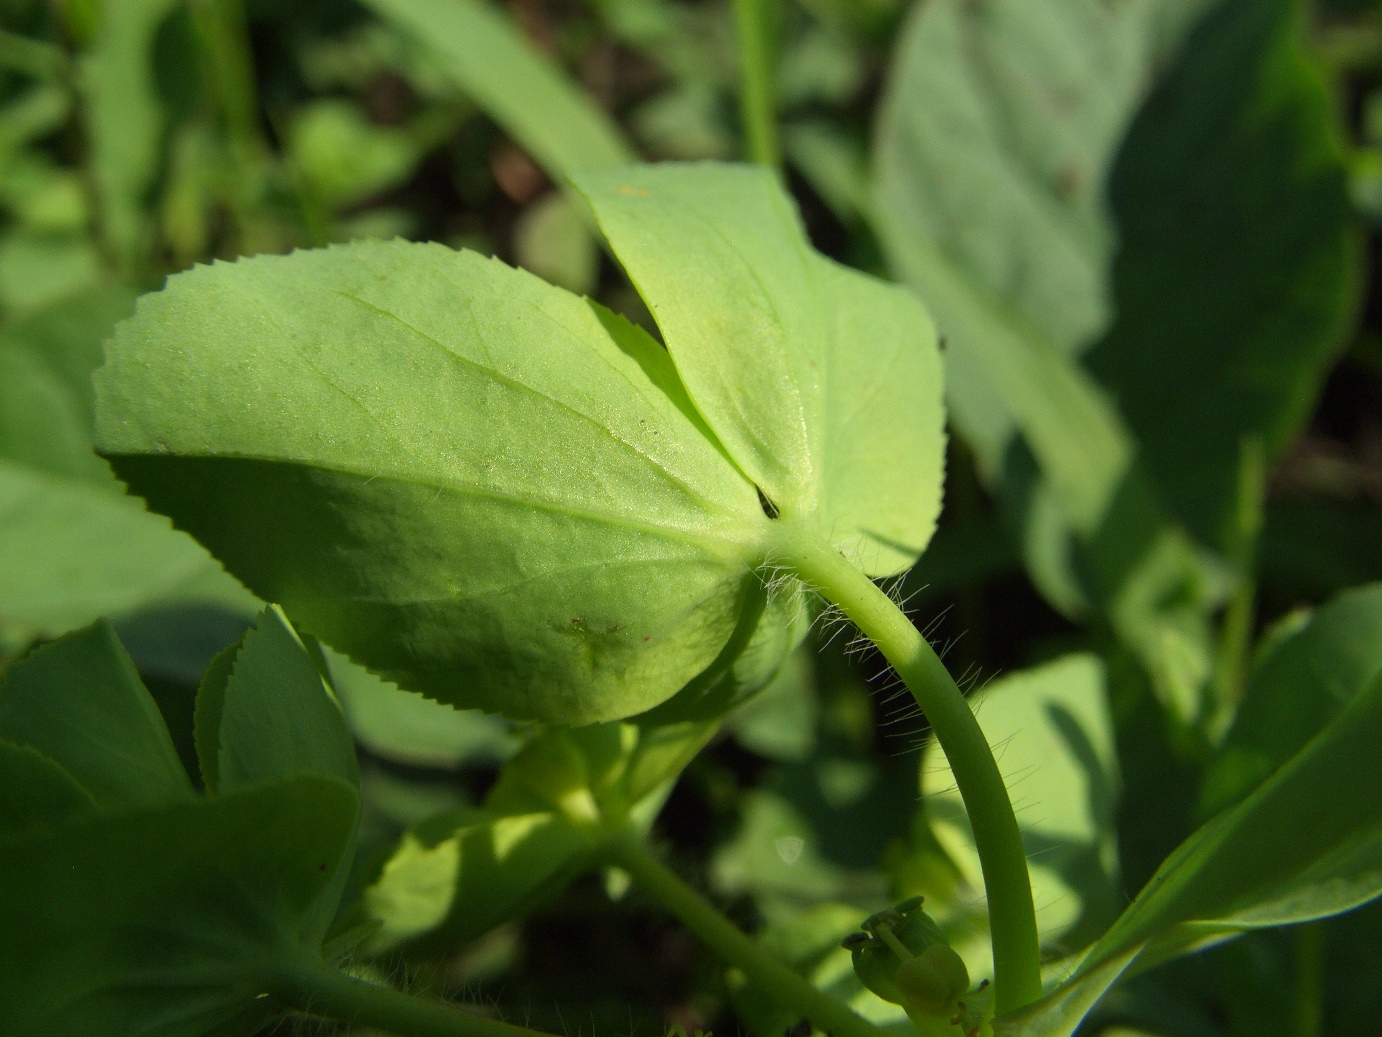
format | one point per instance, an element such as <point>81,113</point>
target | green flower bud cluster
<point>903,956</point>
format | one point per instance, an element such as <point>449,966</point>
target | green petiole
<point>997,838</point>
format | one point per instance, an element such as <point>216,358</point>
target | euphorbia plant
<point>504,496</point>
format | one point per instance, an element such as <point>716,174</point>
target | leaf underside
<point>503,496</point>
<point>441,465</point>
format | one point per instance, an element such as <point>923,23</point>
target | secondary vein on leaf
<point>514,383</point>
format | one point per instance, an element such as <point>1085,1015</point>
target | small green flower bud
<point>934,980</point>
<point>890,939</point>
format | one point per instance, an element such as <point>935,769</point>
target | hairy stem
<point>763,970</point>
<point>1012,919</point>
<point>320,990</point>
<point>757,102</point>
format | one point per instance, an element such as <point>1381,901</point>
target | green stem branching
<point>761,968</point>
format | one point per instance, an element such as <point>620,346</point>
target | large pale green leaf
<point>823,385</point>
<point>487,59</point>
<point>1306,844</point>
<point>473,482</point>
<point>1301,682</point>
<point>165,922</point>
<point>502,496</point>
<point>993,146</point>
<point>80,703</point>
<point>1000,126</point>
<point>1053,739</point>
<point>1236,276</point>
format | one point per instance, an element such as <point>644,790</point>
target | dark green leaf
<point>166,921</point>
<point>80,702</point>
<point>277,717</point>
<point>1300,683</point>
<point>1237,272</point>
<point>36,792</point>
<point>207,712</point>
<point>1306,844</point>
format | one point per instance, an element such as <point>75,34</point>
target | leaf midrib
<point>700,537</point>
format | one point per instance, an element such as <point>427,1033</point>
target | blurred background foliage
<point>1148,230</point>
